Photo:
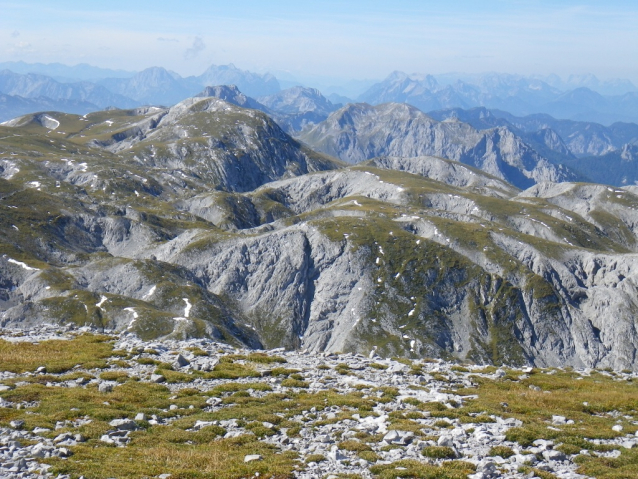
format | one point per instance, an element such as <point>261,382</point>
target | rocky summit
<point>74,403</point>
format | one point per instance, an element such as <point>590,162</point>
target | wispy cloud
<point>15,34</point>
<point>170,40</point>
<point>21,47</point>
<point>197,47</point>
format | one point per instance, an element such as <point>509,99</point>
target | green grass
<point>88,351</point>
<point>420,470</point>
<point>154,450</point>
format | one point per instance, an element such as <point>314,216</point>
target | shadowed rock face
<point>579,138</point>
<point>360,132</point>
<point>206,219</point>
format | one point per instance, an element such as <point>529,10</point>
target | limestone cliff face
<point>360,132</point>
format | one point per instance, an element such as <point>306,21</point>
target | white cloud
<point>197,47</point>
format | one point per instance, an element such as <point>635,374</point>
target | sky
<point>333,40</point>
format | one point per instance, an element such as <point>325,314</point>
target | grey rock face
<point>360,132</point>
<point>445,171</point>
<point>239,154</point>
<point>579,138</point>
<point>231,94</point>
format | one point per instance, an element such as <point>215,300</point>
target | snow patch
<point>103,299</point>
<point>150,292</point>
<point>187,309</point>
<point>22,265</point>
<point>51,123</point>
<point>135,316</point>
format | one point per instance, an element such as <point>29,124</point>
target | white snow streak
<point>22,265</point>
<point>150,292</point>
<point>187,309</point>
<point>103,299</point>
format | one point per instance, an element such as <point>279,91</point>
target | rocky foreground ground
<point>74,403</point>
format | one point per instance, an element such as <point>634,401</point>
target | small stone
<point>617,428</point>
<point>63,437</point>
<point>17,424</point>
<point>445,441</point>
<point>64,452</point>
<point>124,424</point>
<point>252,457</point>
<point>553,455</point>
<point>140,416</point>
<point>157,378</point>
<point>105,387</point>
<point>173,407</point>
<point>41,370</point>
<point>335,455</point>
<point>559,420</point>
<point>181,361</point>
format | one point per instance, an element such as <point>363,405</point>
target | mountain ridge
<point>212,205</point>
<point>361,132</point>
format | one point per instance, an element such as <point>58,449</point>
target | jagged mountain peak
<point>298,99</point>
<point>252,84</point>
<point>231,94</point>
<point>359,132</point>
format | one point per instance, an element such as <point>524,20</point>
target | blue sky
<point>333,39</point>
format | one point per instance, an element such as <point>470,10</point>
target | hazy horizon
<point>331,40</point>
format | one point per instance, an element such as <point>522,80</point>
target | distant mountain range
<point>580,138</point>
<point>579,97</point>
<point>32,85</point>
<point>14,106</point>
<point>512,93</point>
<point>65,73</point>
<point>153,86</point>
